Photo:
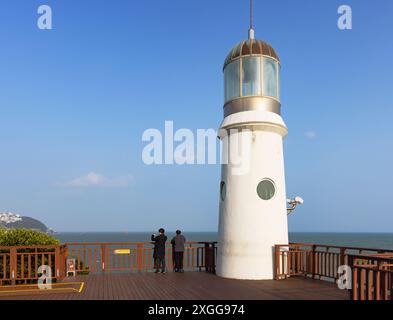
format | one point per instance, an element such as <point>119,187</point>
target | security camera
<point>299,200</point>
<point>293,204</point>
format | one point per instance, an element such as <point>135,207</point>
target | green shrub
<point>24,237</point>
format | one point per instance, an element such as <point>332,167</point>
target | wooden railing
<point>372,277</point>
<point>315,260</point>
<point>137,256</point>
<point>20,265</point>
<point>371,269</point>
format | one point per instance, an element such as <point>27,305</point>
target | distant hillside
<point>26,223</point>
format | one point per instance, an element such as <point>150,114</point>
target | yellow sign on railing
<point>122,251</point>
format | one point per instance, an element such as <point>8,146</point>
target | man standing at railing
<point>159,250</point>
<point>178,246</point>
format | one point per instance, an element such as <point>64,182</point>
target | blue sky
<point>75,101</point>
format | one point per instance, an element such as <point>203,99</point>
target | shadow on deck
<point>189,286</point>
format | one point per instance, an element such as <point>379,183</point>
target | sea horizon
<point>383,240</point>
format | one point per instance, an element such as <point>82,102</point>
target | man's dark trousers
<point>179,260</point>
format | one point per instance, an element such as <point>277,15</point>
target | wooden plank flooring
<point>192,286</point>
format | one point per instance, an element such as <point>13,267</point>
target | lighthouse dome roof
<point>251,47</point>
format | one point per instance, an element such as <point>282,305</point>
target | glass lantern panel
<point>270,78</point>
<point>251,76</point>
<point>232,80</point>
<point>279,82</point>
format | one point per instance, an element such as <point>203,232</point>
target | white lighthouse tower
<point>253,209</point>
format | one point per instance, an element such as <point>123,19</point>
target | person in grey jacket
<point>178,242</point>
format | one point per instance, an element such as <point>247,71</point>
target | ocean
<point>366,240</point>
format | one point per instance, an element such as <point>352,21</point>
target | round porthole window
<point>223,190</point>
<point>266,189</point>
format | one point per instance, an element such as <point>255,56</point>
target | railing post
<point>65,256</point>
<point>387,286</point>
<point>342,261</point>
<point>342,256</point>
<point>139,253</point>
<point>198,258</point>
<point>377,285</point>
<point>354,291</point>
<point>281,262</point>
<point>13,264</point>
<point>277,261</point>
<point>213,258</point>
<point>57,262</point>
<point>353,279</point>
<point>103,254</point>
<point>207,257</point>
<point>313,262</point>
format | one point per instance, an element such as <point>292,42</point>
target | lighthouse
<point>253,206</point>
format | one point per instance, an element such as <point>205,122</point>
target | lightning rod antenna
<point>251,30</point>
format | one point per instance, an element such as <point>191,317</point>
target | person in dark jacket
<point>178,246</point>
<point>159,250</point>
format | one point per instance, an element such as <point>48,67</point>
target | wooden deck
<point>188,286</point>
